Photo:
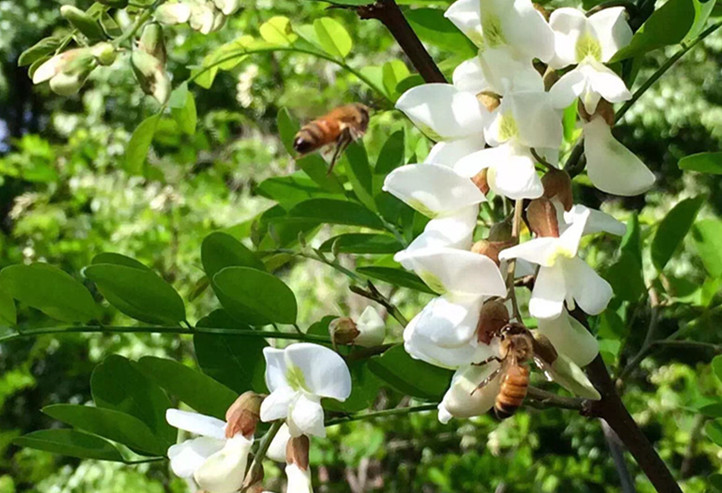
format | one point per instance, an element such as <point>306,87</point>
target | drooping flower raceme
<point>214,460</point>
<point>298,377</point>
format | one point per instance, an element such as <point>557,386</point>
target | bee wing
<point>502,368</point>
<point>343,141</point>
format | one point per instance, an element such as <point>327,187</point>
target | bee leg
<point>342,143</point>
<point>487,361</point>
<point>487,380</point>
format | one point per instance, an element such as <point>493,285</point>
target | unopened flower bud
<point>542,218</point>
<point>228,7</point>
<point>343,331</point>
<point>173,13</point>
<point>558,184</point>
<point>202,17</point>
<point>604,109</point>
<point>151,74</point>
<point>481,181</point>
<point>297,451</point>
<point>58,64</point>
<point>254,477</point>
<point>219,20</point>
<point>68,84</point>
<point>490,100</point>
<point>500,231</point>
<point>243,415</point>
<point>491,248</point>
<point>550,77</point>
<point>84,23</point>
<point>104,52</point>
<point>371,328</point>
<point>152,41</point>
<point>494,316</point>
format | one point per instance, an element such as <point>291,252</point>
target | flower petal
<point>224,471</point>
<point>598,221</point>
<point>519,26</point>
<point>456,271</point>
<point>547,297</point>
<point>464,14</point>
<point>516,177</point>
<point>572,235</point>
<point>469,76</point>
<point>568,25</point>
<point>570,338</point>
<point>612,30</point>
<point>277,449</point>
<point>299,480</point>
<point>611,167</point>
<point>324,371</point>
<point>371,327</point>
<point>568,88</point>
<point>538,123</point>
<point>276,405</point>
<point>605,82</point>
<point>432,189</point>
<point>275,368</point>
<point>442,111</point>
<point>589,290</point>
<point>505,72</point>
<point>186,457</point>
<point>450,321</point>
<point>306,417</point>
<point>536,251</point>
<point>464,399</point>
<point>198,424</point>
<point>49,69</point>
<point>448,153</point>
<point>564,372</point>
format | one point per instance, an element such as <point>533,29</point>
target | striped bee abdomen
<point>316,134</point>
<point>512,392</point>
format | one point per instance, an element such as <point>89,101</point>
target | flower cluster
<point>498,121</point>
<point>298,377</point>
<point>205,16</point>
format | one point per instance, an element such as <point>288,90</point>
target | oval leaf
<point>71,443</point>
<point>50,290</point>
<point>362,243</point>
<point>410,376</point>
<point>221,250</point>
<point>673,229</point>
<point>333,37</point>
<point>333,211</point>
<point>705,162</point>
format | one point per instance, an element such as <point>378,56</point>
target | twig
<point>511,267</point>
<point>545,399</point>
<point>648,338</point>
<point>262,450</point>
<point>373,294</point>
<point>541,160</point>
<point>716,348</point>
<point>399,411</point>
<point>615,448</point>
<point>391,16</point>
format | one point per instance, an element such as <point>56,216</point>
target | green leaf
<point>632,240</point>
<point>392,73</point>
<point>236,361</point>
<point>713,429</point>
<point>396,277</point>
<point>433,28</point>
<point>717,367</point>
<point>715,480</point>
<point>362,243</point>
<point>256,297</point>
<point>139,145</point>
<point>704,162</point>
<point>199,391</point>
<point>118,259</point>
<point>707,235</point>
<point>333,211</point>
<point>288,127</point>
<point>626,277</point>
<point>333,37</point>
<point>364,390</point>
<point>392,156</point>
<point>673,229</point>
<point>183,108</point>
<point>71,443</point>
<point>8,313</point>
<point>668,25</point>
<point>410,376</point>
<point>139,293</point>
<point>359,173</point>
<point>278,31</point>
<point>119,384</point>
<point>291,189</point>
<point>43,48</point>
<point>50,290</point>
<point>221,250</point>
<point>702,11</point>
<point>111,424</point>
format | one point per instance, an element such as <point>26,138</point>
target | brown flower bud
<point>343,330</point>
<point>541,10</point>
<point>152,42</point>
<point>558,184</point>
<point>254,478</point>
<point>494,316</point>
<point>550,77</point>
<point>604,109</point>
<point>544,348</point>
<point>491,248</point>
<point>244,414</point>
<point>481,181</point>
<point>542,218</point>
<point>490,100</point>
<point>297,451</point>
<point>501,231</point>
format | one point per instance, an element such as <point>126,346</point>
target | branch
<point>261,453</point>
<point>399,411</point>
<point>391,16</point>
<point>544,399</point>
<point>648,338</point>
<point>615,448</point>
<point>612,410</point>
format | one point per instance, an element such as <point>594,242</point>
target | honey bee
<point>340,126</point>
<point>518,348</point>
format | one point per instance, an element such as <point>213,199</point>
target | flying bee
<point>518,347</point>
<point>340,126</point>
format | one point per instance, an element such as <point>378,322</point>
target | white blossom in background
<point>298,377</point>
<point>215,462</point>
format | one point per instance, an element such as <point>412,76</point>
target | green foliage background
<point>66,197</point>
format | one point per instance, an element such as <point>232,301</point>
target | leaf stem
<point>261,452</point>
<point>654,306</point>
<point>400,411</point>
<point>511,267</point>
<point>545,399</point>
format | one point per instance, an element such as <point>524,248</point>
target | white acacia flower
<point>299,480</point>
<point>466,16</point>
<point>611,167</point>
<point>277,449</point>
<point>215,462</point>
<point>570,338</point>
<point>371,327</point>
<point>463,400</point>
<point>562,275</point>
<point>596,222</point>
<point>298,377</point>
<point>173,13</point>
<point>589,42</point>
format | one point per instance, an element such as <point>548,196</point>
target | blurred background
<point>64,198</point>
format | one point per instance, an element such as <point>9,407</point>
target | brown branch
<point>615,448</point>
<point>542,398</point>
<point>612,410</point>
<point>391,16</point>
